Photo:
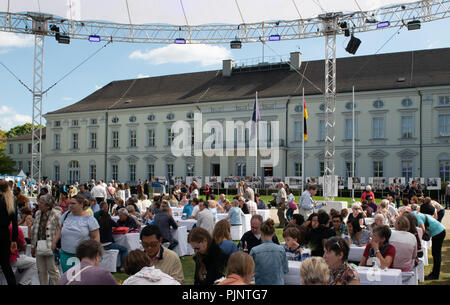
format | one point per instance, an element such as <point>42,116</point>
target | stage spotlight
<point>62,38</point>
<point>353,45</point>
<point>414,25</point>
<point>235,44</point>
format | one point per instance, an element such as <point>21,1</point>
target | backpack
<point>293,205</point>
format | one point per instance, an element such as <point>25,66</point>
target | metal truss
<point>330,23</point>
<point>397,15</point>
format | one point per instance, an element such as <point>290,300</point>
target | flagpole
<point>353,141</point>
<point>256,142</point>
<point>303,142</point>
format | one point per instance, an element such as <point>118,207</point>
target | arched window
<point>378,104</point>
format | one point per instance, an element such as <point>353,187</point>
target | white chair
<point>109,260</point>
<point>236,232</point>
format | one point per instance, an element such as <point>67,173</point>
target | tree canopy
<point>20,130</point>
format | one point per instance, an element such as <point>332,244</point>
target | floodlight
<point>414,25</point>
<point>235,44</point>
<point>94,38</point>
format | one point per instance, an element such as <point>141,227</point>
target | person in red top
<point>206,191</point>
<point>379,249</point>
<point>64,202</point>
<point>26,265</point>
<point>368,192</point>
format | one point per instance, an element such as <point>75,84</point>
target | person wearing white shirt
<point>99,192</point>
<point>145,203</point>
<point>252,207</point>
<point>307,204</point>
<point>391,208</point>
<point>195,203</point>
<point>194,193</point>
<point>205,218</point>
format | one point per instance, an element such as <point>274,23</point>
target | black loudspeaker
<point>353,45</point>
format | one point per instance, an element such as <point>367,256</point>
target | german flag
<point>305,117</point>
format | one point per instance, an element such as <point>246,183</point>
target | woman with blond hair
<point>240,269</point>
<point>7,244</point>
<point>221,234</point>
<point>314,271</point>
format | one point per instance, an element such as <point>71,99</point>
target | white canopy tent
<point>191,12</point>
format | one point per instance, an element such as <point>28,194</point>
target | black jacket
<point>316,237</point>
<point>164,221</point>
<point>215,262</point>
<point>252,241</point>
<point>129,222</point>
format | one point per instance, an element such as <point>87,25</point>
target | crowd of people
<point>69,228</point>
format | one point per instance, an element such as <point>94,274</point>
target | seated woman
<point>336,255</point>
<point>118,204</point>
<point>221,234</point>
<point>378,220</point>
<point>183,201</point>
<point>235,213</point>
<point>379,249</point>
<point>210,260</point>
<point>173,202</point>
<point>240,269</point>
<point>383,210</point>
<point>292,245</point>
<point>25,213</point>
<point>319,231</point>
<point>137,265</point>
<point>357,213</point>
<point>132,213</point>
<point>405,245</point>
<point>358,236</point>
<point>314,271</point>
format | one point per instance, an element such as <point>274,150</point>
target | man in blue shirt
<point>307,204</point>
<point>188,208</point>
<point>261,204</point>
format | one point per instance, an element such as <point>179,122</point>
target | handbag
<point>120,230</point>
<point>293,205</point>
<point>42,249</point>
<point>426,234</point>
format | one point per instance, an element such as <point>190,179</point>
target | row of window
<point>20,148</point>
<point>241,170</point>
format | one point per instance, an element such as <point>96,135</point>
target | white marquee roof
<point>197,12</point>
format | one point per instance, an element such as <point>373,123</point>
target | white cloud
<point>11,40</point>
<point>140,75</point>
<point>67,98</point>
<point>9,118</point>
<point>206,55</point>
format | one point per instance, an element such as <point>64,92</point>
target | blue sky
<point>124,61</point>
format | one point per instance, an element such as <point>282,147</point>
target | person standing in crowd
<point>379,249</point>
<point>437,233</point>
<point>336,257</point>
<point>89,252</point>
<point>64,202</point>
<point>147,188</point>
<point>8,242</point>
<point>106,236</point>
<point>137,265</point>
<point>271,263</point>
<point>140,189</point>
<point>447,195</point>
<point>240,269</point>
<point>252,238</point>
<point>413,190</point>
<point>45,226</point>
<point>120,193</point>
<point>281,201</point>
<point>76,225</point>
<point>210,260</point>
<point>207,190</point>
<point>307,204</point>
<point>222,236</point>
<point>165,221</point>
<point>110,195</point>
<point>291,202</point>
<point>194,192</point>
<point>160,257</point>
<point>314,271</point>
<point>260,203</point>
<point>127,190</point>
<point>205,218</point>
<point>367,192</point>
<point>249,193</point>
<point>99,192</point>
<point>85,193</point>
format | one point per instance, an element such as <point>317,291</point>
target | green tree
<point>7,165</point>
<point>2,140</point>
<point>20,130</point>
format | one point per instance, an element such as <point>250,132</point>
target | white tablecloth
<point>181,235</point>
<point>177,211</point>
<point>369,221</point>
<point>265,214</point>
<point>188,223</point>
<point>131,241</point>
<point>221,216</point>
<point>246,222</point>
<point>356,253</point>
<point>366,275</point>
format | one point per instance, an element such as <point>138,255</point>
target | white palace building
<point>123,130</point>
